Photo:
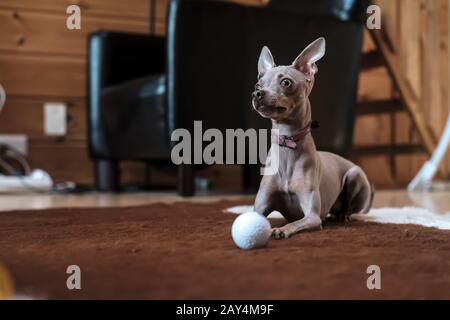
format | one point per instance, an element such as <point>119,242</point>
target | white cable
<point>423,180</point>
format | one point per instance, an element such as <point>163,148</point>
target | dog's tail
<point>370,203</point>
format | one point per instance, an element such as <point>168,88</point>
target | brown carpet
<point>185,251</point>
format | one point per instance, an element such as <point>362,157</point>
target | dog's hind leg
<point>357,191</point>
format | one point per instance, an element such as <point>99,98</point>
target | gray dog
<point>309,184</point>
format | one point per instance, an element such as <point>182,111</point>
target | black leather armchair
<point>141,88</point>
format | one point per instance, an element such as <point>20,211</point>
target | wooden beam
<point>375,150</point>
<point>379,106</point>
<point>371,60</point>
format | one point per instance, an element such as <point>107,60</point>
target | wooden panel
<point>407,167</point>
<point>135,173</point>
<point>372,130</point>
<point>419,31</point>
<point>21,115</point>
<point>374,84</point>
<point>220,177</point>
<point>223,176</point>
<point>122,9</point>
<point>446,72</point>
<point>42,76</point>
<point>377,170</point>
<point>390,20</point>
<point>28,31</point>
<point>411,47</point>
<point>377,130</point>
<point>69,161</point>
<point>257,3</point>
<point>379,106</point>
<point>368,44</point>
<point>65,161</point>
<point>431,68</point>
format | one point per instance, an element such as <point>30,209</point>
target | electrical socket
<point>17,141</point>
<point>55,118</point>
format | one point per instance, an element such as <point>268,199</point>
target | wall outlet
<point>17,141</point>
<point>55,119</point>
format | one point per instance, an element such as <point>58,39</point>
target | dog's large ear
<point>265,62</point>
<point>305,62</point>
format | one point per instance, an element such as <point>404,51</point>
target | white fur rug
<point>404,215</point>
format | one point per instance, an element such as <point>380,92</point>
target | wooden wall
<point>416,35</point>
<point>385,170</point>
<point>41,61</point>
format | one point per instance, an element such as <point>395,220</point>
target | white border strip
<point>404,215</point>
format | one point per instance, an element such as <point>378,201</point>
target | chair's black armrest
<point>115,57</point>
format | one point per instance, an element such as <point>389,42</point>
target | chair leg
<point>251,178</point>
<point>186,187</point>
<point>106,176</point>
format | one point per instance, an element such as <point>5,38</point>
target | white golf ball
<point>250,230</point>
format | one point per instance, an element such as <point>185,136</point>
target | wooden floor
<point>435,201</point>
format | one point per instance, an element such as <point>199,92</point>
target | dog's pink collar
<point>291,141</point>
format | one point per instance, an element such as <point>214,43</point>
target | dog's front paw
<point>279,233</point>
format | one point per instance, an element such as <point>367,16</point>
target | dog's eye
<point>286,83</point>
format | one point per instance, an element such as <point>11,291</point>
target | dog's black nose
<point>258,94</point>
